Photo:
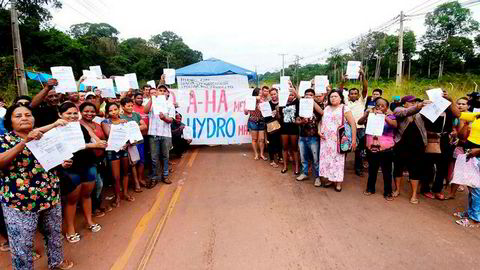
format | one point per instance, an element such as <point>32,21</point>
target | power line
<point>416,7</point>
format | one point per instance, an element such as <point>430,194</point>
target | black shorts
<point>411,161</point>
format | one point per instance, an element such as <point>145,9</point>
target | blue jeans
<point>159,148</point>
<point>474,204</point>
<point>309,150</point>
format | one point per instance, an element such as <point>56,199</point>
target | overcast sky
<point>249,33</point>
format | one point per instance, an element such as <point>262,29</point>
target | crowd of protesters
<point>32,198</point>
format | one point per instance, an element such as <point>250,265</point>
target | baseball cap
<point>89,94</point>
<point>408,99</point>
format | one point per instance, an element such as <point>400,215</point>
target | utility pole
<point>400,51</point>
<point>297,63</point>
<point>17,52</point>
<point>283,63</point>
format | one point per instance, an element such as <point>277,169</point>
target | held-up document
<point>106,88</point>
<point>122,83</point>
<point>97,70</point>
<point>133,153</point>
<point>375,124</point>
<point>169,75</point>
<point>90,78</point>
<point>304,85</point>
<point>187,133</point>
<point>98,120</point>
<point>284,86</point>
<point>159,104</point>
<point>65,78</point>
<point>151,83</point>
<point>353,67</point>
<point>50,150</point>
<point>306,107</point>
<point>440,104</point>
<point>117,138</point>
<point>251,103</point>
<point>283,98</point>
<point>73,136</point>
<point>321,83</point>
<point>265,109</point>
<point>134,133</point>
<point>476,109</point>
<point>132,77</point>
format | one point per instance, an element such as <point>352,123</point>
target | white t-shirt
<point>158,127</point>
<point>358,109</point>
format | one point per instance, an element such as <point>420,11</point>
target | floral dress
<point>332,163</point>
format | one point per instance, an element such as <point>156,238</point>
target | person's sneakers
<point>318,182</point>
<point>166,181</point>
<point>302,177</point>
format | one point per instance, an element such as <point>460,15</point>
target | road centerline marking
<point>192,158</point>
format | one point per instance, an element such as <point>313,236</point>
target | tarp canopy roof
<point>213,66</point>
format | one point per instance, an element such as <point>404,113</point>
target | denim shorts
<point>77,178</point>
<point>141,152</point>
<point>256,126</point>
<point>112,155</point>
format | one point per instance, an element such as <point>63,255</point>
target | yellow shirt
<point>474,136</point>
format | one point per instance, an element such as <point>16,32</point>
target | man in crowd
<point>44,104</point>
<point>370,103</point>
<point>159,130</point>
<point>356,103</point>
<point>180,145</point>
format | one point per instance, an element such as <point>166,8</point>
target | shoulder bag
<point>344,136</point>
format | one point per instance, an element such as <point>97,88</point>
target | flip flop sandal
<point>65,265</point>
<point>255,158</point>
<point>465,222</point>
<point>429,195</point>
<point>396,194</point>
<point>462,214</point>
<point>264,158</point>
<point>74,238</point>
<point>414,201</point>
<point>115,204</point>
<point>284,170</point>
<point>95,228</point>
<point>129,198</point>
<point>98,213</point>
<point>440,197</point>
<point>138,190</point>
<point>338,189</point>
<point>367,193</point>
<point>106,209</point>
<point>4,247</point>
<point>389,198</point>
<point>36,256</point>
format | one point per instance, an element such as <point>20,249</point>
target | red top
<point>143,115</point>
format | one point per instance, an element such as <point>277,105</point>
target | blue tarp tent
<point>42,77</point>
<point>213,66</point>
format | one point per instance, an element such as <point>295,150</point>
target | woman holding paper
<point>332,163</point>
<point>290,130</point>
<point>82,175</point>
<point>118,159</point>
<point>256,126</point>
<point>380,147</point>
<point>30,195</point>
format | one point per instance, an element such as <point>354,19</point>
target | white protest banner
<point>132,77</point>
<point>353,67</point>
<point>284,80</point>
<point>215,108</point>
<point>266,109</point>
<point>122,83</point>
<point>304,85</point>
<point>50,150</point>
<point>152,84</point>
<point>306,107</point>
<point>283,98</point>
<point>251,103</point>
<point>321,83</point>
<point>65,78</point>
<point>169,75</point>
<point>97,70</point>
<point>187,133</point>
<point>375,124</point>
<point>106,87</point>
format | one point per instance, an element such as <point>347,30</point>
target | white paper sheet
<point>476,109</point>
<point>284,86</point>
<point>133,153</point>
<point>434,94</point>
<point>169,75</point>
<point>276,86</point>
<point>321,83</point>
<point>117,138</point>
<point>434,110</point>
<point>134,133</point>
<point>306,107</point>
<point>97,70</point>
<point>159,104</point>
<point>251,103</point>
<point>50,150</point>
<point>152,84</point>
<point>73,135</point>
<point>353,67</point>
<point>132,77</point>
<point>65,78</point>
<point>98,120</point>
<point>304,85</point>
<point>122,83</point>
<point>106,87</point>
<point>188,133</point>
<point>265,109</point>
<point>283,98</point>
<point>90,78</point>
<point>375,124</point>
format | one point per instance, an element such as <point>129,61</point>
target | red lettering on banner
<point>242,130</point>
<point>238,106</point>
<point>192,101</point>
<point>213,102</point>
<point>223,99</point>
